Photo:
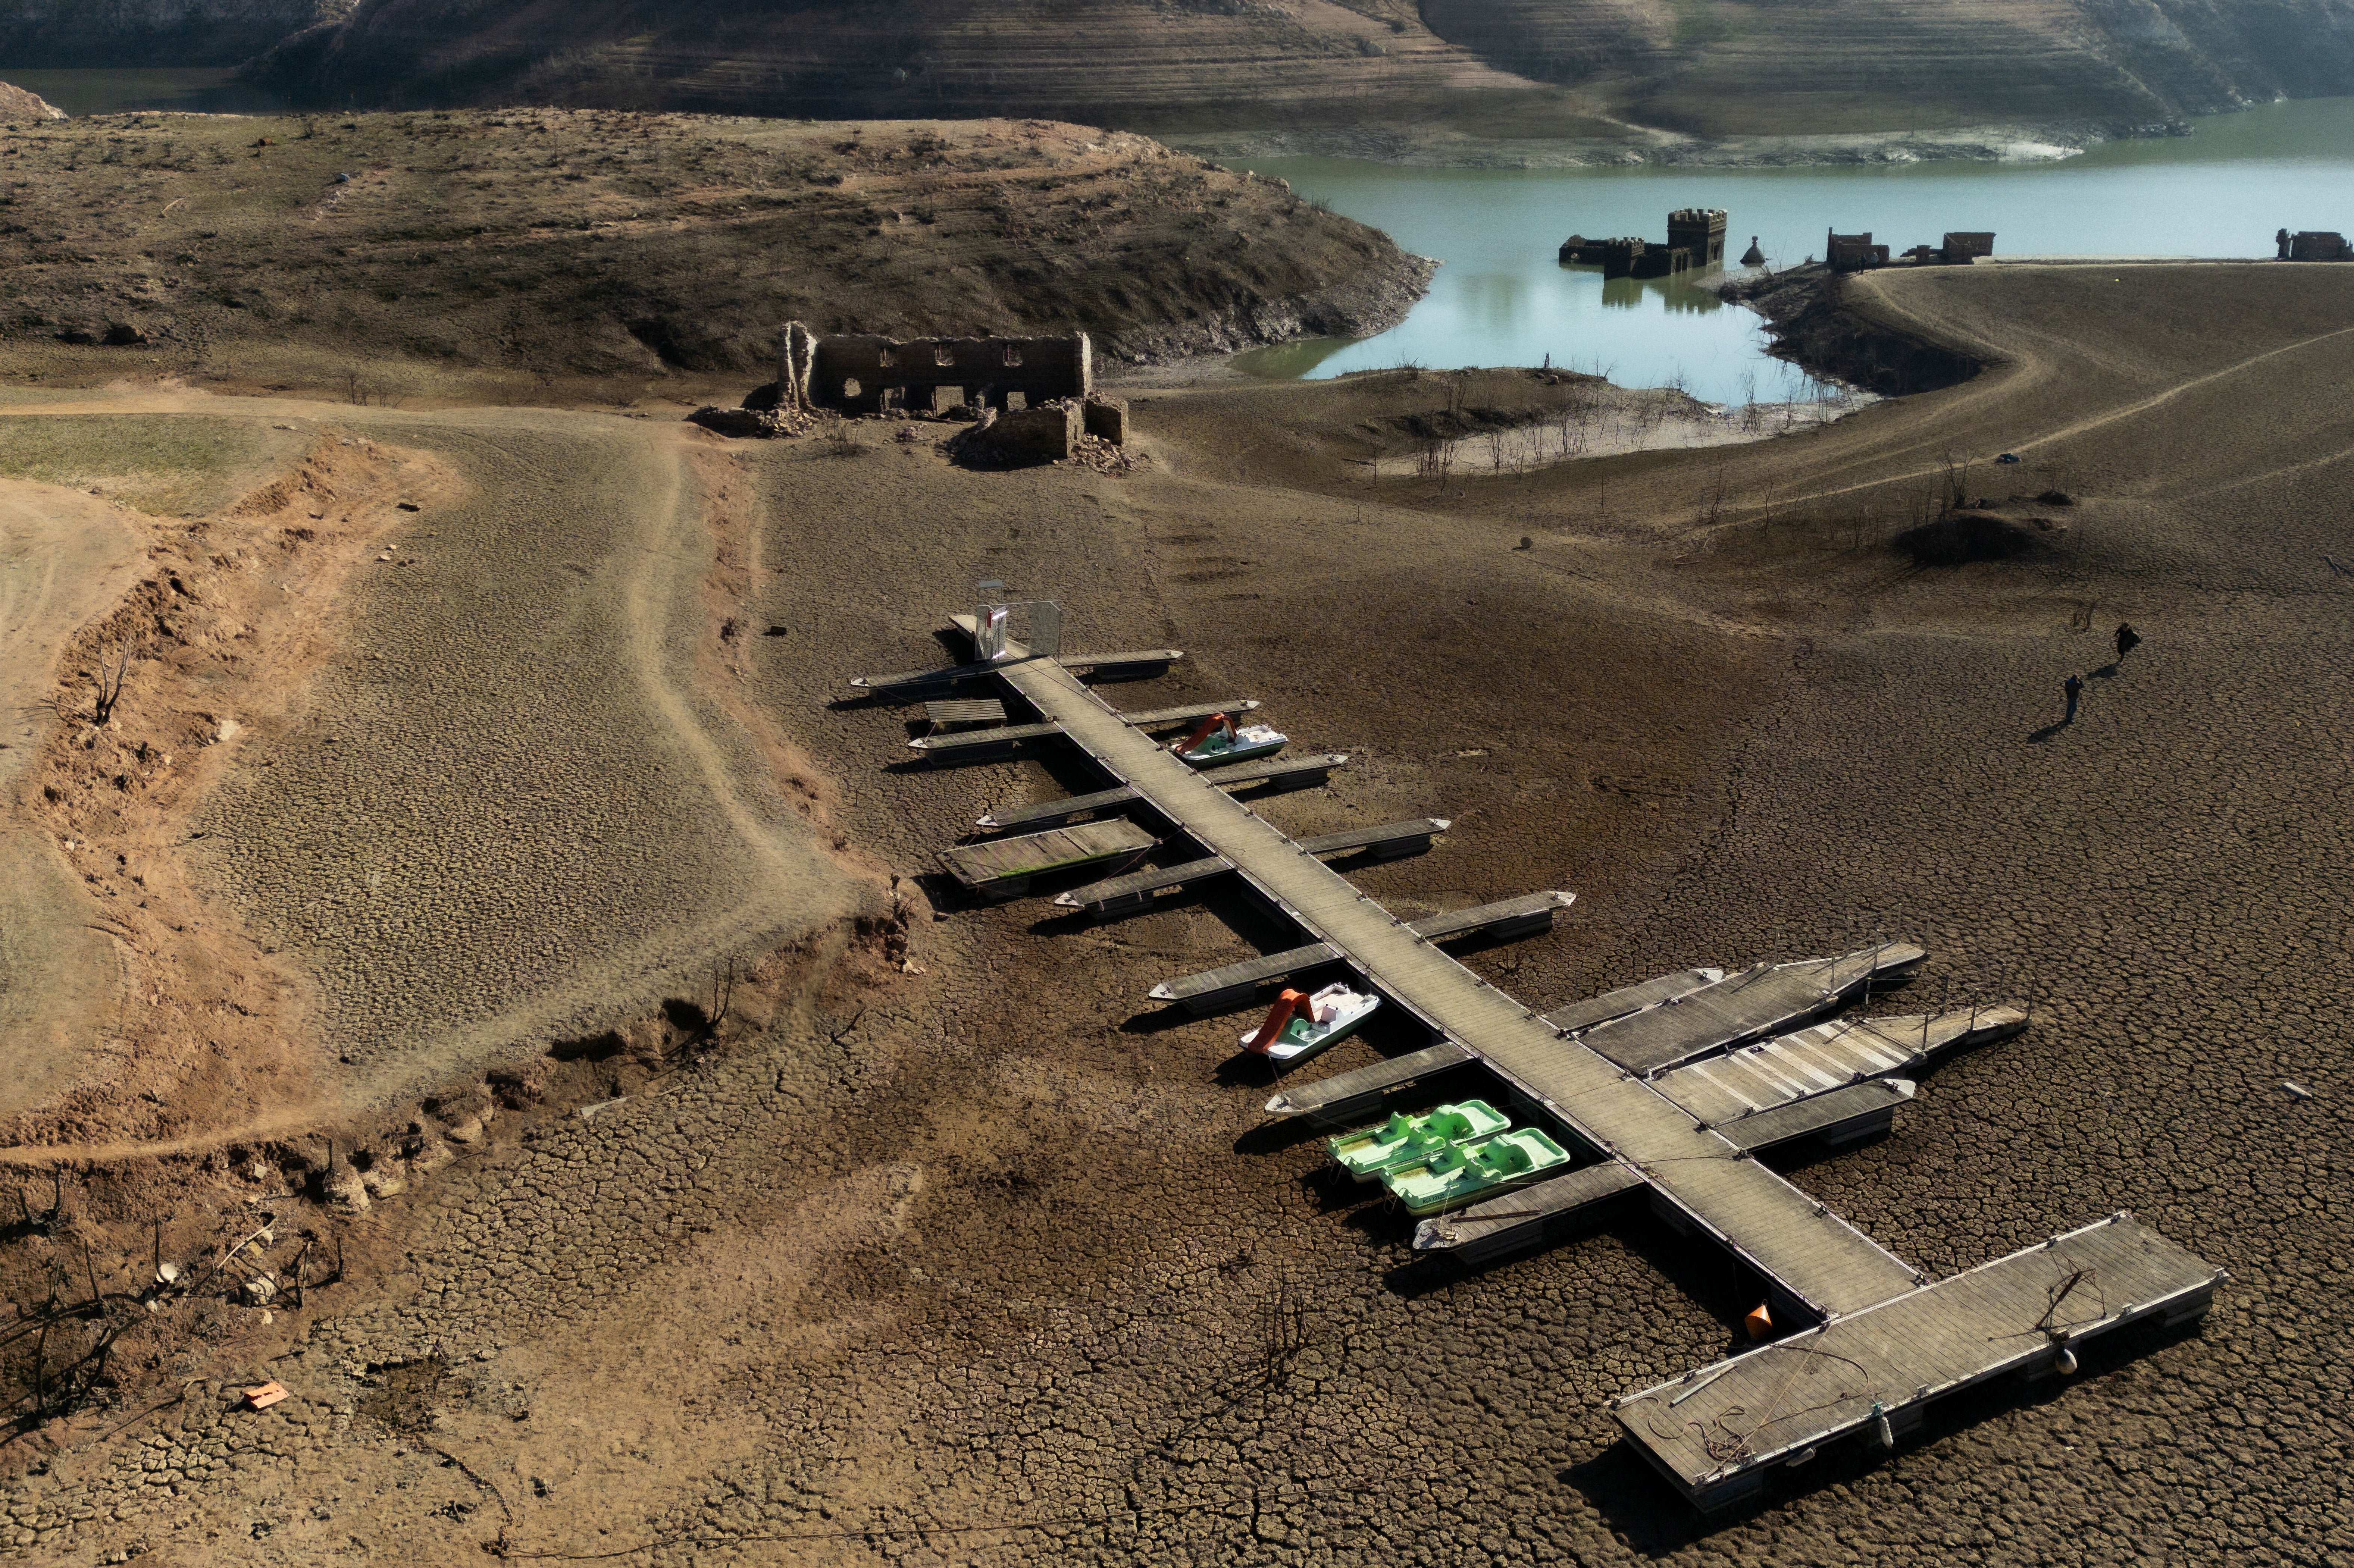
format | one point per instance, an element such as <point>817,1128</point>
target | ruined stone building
<point>864,374</point>
<point>1699,230</point>
<point>1856,252</point>
<point>1695,240</point>
<point>1853,252</point>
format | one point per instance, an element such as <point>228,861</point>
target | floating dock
<point>1004,868</point>
<point>1297,773</point>
<point>1722,1090</point>
<point>1718,1433</point>
<point>1186,713</point>
<point>1231,986</point>
<point>1135,893</point>
<point>974,744</point>
<point>1742,1006</point>
<point>1604,1082</point>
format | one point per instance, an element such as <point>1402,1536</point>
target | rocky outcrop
<point>17,104</point>
<point>130,33</point>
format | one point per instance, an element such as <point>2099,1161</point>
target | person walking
<point>2128,641</point>
<point>2074,686</point>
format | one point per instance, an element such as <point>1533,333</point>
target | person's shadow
<point>2049,730</point>
<point>2108,671</point>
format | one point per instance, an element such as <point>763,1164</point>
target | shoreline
<point>1437,147</point>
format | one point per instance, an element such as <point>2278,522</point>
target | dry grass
<point>551,245</point>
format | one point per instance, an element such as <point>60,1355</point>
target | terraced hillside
<point>1718,66</point>
<point>148,33</point>
<point>1505,68</point>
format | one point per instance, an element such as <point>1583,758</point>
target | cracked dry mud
<point>990,1262</point>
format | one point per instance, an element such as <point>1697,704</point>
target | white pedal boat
<point>1219,743</point>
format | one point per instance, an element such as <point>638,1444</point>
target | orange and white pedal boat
<point>1298,1025</point>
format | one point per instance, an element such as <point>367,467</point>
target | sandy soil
<point>974,1257</point>
<point>67,556</point>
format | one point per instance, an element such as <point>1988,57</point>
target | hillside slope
<point>1505,68</point>
<point>129,33</point>
<point>1789,66</point>
<point>1147,65</point>
<point>558,243</point>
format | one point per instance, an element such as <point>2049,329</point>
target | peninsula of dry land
<point>400,255</point>
<point>511,946</point>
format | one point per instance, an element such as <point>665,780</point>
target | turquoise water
<point>1502,298</point>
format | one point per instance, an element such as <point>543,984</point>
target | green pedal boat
<point>1371,1153</point>
<point>1460,1172</point>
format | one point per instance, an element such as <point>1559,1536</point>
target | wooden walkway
<point>1817,1260</point>
<point>1636,1079</point>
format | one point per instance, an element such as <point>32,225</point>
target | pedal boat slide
<point>1298,1025</point>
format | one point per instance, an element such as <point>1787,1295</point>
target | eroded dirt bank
<point>959,1252</point>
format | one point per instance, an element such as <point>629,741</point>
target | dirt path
<point>502,811</point>
<point>63,557</point>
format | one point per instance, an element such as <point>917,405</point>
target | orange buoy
<point>1760,1323</point>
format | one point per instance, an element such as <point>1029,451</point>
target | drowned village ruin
<point>1695,240</point>
<point>1031,399</point>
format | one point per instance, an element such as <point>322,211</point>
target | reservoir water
<point>183,90</point>
<point>1501,298</point>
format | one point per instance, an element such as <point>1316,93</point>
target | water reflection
<point>1680,292</point>
<point>1503,297</point>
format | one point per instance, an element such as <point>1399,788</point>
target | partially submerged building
<point>2314,245</point>
<point>1695,240</point>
